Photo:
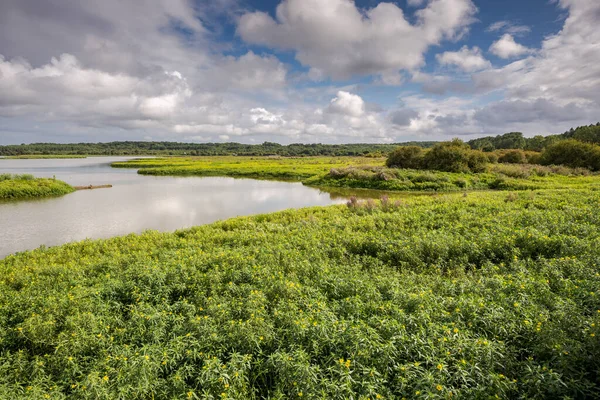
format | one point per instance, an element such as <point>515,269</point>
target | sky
<point>295,71</point>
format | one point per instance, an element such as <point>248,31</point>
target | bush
<point>405,157</point>
<point>454,156</point>
<point>533,157</point>
<point>478,161</point>
<point>572,153</point>
<point>492,157</point>
<point>513,157</point>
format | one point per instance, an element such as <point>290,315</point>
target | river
<point>135,203</point>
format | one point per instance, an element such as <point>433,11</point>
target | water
<point>135,203</point>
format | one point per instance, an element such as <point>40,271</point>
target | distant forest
<point>512,140</point>
<point>206,149</point>
<point>516,140</point>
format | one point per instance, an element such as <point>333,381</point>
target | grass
<point>498,177</point>
<point>43,156</point>
<point>368,173</point>
<point>19,187</point>
<point>289,168</point>
<point>488,295</point>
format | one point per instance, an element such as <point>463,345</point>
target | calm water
<point>135,203</point>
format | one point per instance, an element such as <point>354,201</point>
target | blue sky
<point>329,71</point>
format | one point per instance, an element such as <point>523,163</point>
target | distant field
<point>18,187</point>
<point>368,173</point>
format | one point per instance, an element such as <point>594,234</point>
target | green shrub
<point>454,156</point>
<point>478,161</point>
<point>491,157</point>
<point>405,157</point>
<point>513,157</point>
<point>572,153</point>
<point>533,157</point>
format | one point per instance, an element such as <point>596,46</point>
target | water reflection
<point>135,203</point>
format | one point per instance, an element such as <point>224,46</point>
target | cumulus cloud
<point>380,40</point>
<point>153,68</point>
<point>468,60</point>
<point>506,47</point>
<point>130,36</point>
<point>550,90</point>
<point>67,88</point>
<point>347,104</point>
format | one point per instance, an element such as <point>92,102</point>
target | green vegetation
<point>369,173</point>
<point>516,140</point>
<point>16,187</point>
<point>454,156</point>
<point>497,177</point>
<point>471,297</point>
<point>44,156</point>
<point>572,153</point>
<point>410,157</point>
<point>204,149</point>
<point>245,167</point>
<point>513,157</point>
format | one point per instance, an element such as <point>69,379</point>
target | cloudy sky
<point>289,71</point>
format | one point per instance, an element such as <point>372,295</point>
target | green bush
<point>513,157</point>
<point>533,157</point>
<point>491,157</point>
<point>454,156</point>
<point>478,161</point>
<point>572,153</point>
<point>405,157</point>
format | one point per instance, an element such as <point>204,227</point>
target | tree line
<point>516,140</point>
<point>511,140</point>
<point>206,149</point>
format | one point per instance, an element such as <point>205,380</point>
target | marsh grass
<point>25,186</point>
<point>369,173</point>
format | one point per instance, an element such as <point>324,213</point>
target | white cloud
<point>66,89</point>
<point>508,27</point>
<point>468,60</point>
<point>506,47</point>
<point>347,104</point>
<point>337,39</point>
<point>130,70</point>
<point>549,91</point>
